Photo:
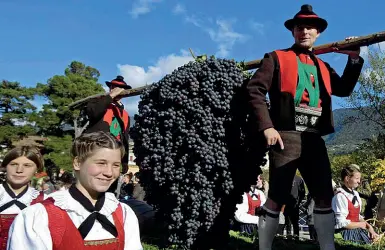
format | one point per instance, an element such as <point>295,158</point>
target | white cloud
<point>137,76</point>
<point>259,27</point>
<point>131,105</point>
<point>194,20</point>
<point>223,34</point>
<point>141,7</point>
<point>179,9</point>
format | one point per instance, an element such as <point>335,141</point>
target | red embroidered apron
<point>253,204</point>
<point>61,232</point>
<point>6,222</point>
<point>354,212</point>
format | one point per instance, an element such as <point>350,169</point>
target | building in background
<point>132,167</point>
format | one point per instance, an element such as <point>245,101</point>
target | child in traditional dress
<point>347,207</point>
<point>21,164</point>
<point>85,216</point>
<point>247,212</point>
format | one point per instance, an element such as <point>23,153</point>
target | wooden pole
<point>318,50</point>
<point>125,93</point>
<point>335,46</point>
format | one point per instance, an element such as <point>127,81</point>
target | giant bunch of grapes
<point>190,147</point>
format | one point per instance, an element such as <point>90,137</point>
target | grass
<point>240,242</point>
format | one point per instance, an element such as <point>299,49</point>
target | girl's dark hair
<point>349,171</point>
<point>31,153</point>
<point>84,145</point>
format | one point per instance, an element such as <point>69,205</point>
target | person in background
<point>291,211</point>
<point>370,206</point>
<point>61,172</point>
<point>138,193</point>
<point>127,187</point>
<point>47,185</point>
<point>309,206</point>
<point>65,181</point>
<point>265,185</point>
<point>16,194</point>
<point>346,205</point>
<point>247,213</point>
<point>53,171</point>
<point>85,216</point>
<point>364,190</point>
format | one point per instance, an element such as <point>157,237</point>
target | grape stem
<point>192,53</point>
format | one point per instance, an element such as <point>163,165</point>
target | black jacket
<point>281,115</point>
<point>96,109</point>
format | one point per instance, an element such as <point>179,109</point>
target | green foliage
<point>11,133</point>
<point>16,110</point>
<point>237,241</point>
<point>57,149</point>
<point>55,118</point>
<point>368,153</point>
<point>78,82</point>
<point>373,148</point>
<point>368,98</point>
<point>79,69</point>
<point>369,156</point>
<point>378,175</point>
<point>338,162</point>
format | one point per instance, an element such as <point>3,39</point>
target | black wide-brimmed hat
<point>307,16</point>
<point>118,82</point>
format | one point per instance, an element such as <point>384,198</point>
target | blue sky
<point>145,39</point>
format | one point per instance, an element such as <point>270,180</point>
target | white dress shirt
<point>30,227</point>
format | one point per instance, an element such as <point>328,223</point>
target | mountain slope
<point>348,135</point>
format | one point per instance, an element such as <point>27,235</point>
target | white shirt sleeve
<point>340,208</point>
<point>131,229</point>
<point>241,214</point>
<point>30,229</point>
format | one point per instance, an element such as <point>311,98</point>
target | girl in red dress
<point>347,208</point>
<point>21,164</point>
<point>85,216</point>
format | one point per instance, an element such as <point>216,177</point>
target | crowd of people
<point>351,214</point>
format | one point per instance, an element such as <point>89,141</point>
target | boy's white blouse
<point>30,228</point>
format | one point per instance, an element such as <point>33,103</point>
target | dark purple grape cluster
<point>190,147</point>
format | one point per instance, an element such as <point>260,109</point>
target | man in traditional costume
<point>300,86</point>
<point>107,114</point>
